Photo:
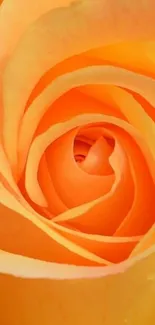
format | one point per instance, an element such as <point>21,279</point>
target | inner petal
<point>105,215</point>
<point>55,204</point>
<point>81,150</point>
<point>73,184</point>
<point>141,217</point>
<point>92,150</point>
<point>97,159</point>
<point>114,249</point>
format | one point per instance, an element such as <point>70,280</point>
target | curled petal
<point>56,247</point>
<point>91,75</point>
<point>76,186</point>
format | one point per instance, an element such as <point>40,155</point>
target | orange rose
<point>77,162</point>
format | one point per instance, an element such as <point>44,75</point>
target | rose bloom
<point>77,162</point>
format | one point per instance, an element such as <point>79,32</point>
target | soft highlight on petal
<point>87,301</point>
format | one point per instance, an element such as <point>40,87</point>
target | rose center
<point>92,150</point>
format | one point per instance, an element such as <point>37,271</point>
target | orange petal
<point>74,185</point>
<point>97,160</point>
<point>114,249</point>
<point>80,148</point>
<point>73,103</point>
<point>147,242</point>
<point>92,75</point>
<point>137,116</point>
<point>142,215</point>
<point>105,214</point>
<point>55,205</point>
<point>121,54</point>
<point>32,284</point>
<point>18,224</point>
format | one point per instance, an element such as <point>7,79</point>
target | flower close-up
<point>77,162</point>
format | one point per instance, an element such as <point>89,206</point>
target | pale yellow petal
<point>123,298</point>
<point>16,16</point>
<point>33,222</point>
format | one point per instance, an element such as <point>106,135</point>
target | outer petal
<point>13,24</point>
<point>30,237</point>
<point>123,298</point>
